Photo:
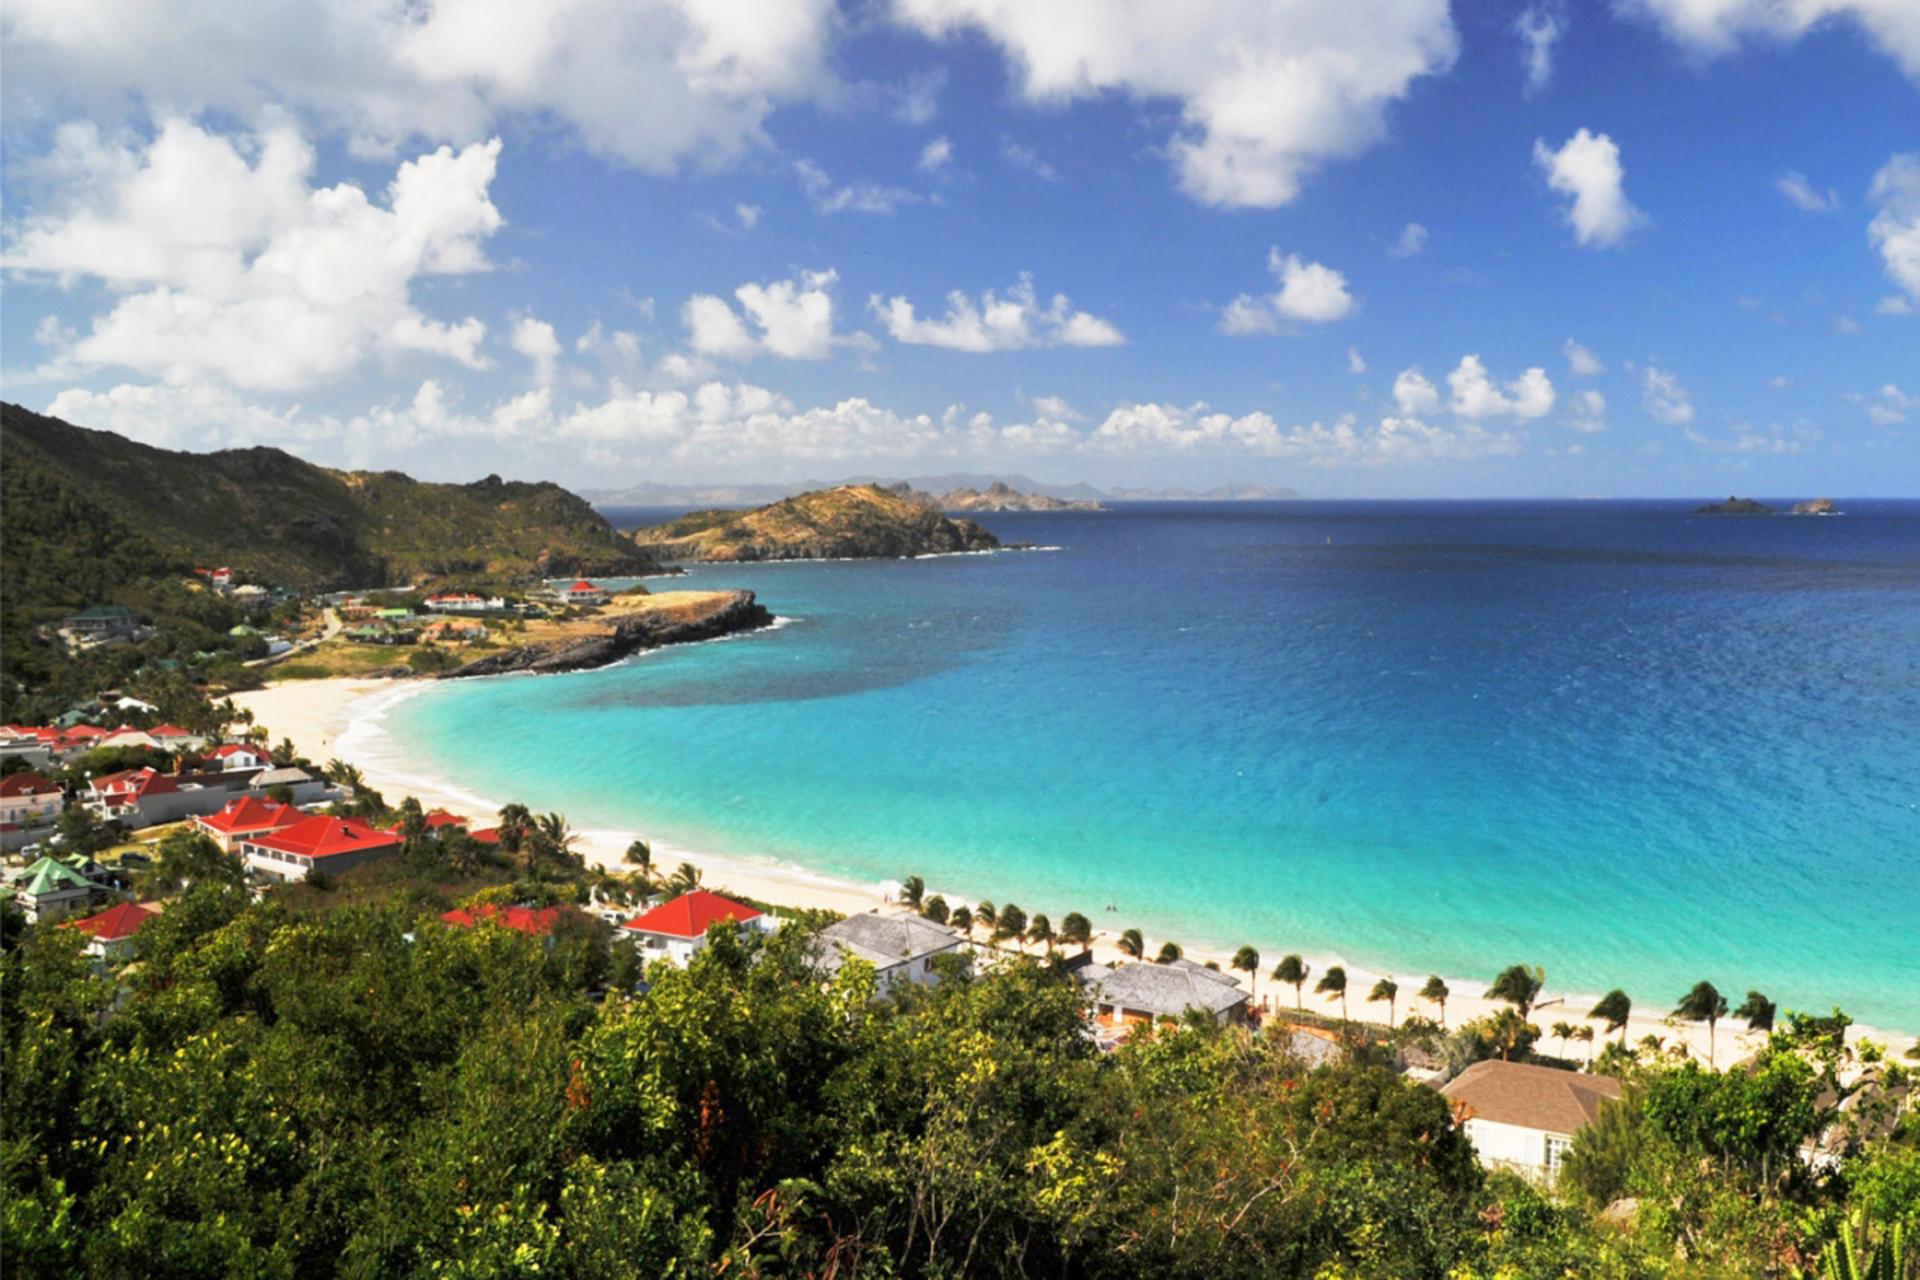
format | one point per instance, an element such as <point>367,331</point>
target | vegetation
<point>852,520</point>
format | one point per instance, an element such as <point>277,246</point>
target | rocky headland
<point>1817,507</point>
<point>610,634</point>
<point>1734,507</point>
<point>1000,496</point>
<point>852,522</point>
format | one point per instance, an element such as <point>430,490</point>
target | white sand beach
<point>327,718</point>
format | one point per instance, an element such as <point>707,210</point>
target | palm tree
<point>515,821</point>
<point>1131,943</point>
<point>987,916</point>
<point>1012,923</point>
<point>1703,1004</point>
<point>1334,983</point>
<point>1563,1032</point>
<point>686,878</point>
<point>962,919</point>
<point>1614,1007</point>
<point>1040,930</point>
<point>413,820</point>
<point>1076,931</point>
<point>1436,993</point>
<point>640,854</point>
<point>1758,1011</point>
<point>1509,1031</point>
<point>1169,952</point>
<point>1247,961</point>
<point>935,909</point>
<point>1292,969</point>
<point>1584,1034</point>
<point>912,890</point>
<point>552,840</point>
<point>1385,989</point>
<point>1519,985</point>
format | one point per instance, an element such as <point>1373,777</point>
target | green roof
<point>242,629</point>
<point>50,875</point>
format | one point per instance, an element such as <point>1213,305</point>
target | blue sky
<point>1374,247</point>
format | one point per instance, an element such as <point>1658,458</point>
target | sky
<point>1358,247</point>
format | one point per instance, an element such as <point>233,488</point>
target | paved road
<point>331,628</point>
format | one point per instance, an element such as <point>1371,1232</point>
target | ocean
<point>1634,745</point>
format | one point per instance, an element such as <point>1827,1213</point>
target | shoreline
<point>344,717</point>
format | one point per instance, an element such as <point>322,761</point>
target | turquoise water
<point>1634,745</point>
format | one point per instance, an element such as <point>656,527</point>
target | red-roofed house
<point>584,592</point>
<point>114,929</point>
<point>29,798</point>
<point>137,798</point>
<point>247,816</point>
<point>234,755</point>
<point>536,921</point>
<point>438,822</point>
<point>172,736</point>
<point>331,844</point>
<point>677,930</point>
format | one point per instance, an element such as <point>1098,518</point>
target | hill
<point>850,522</point>
<point>1002,497</point>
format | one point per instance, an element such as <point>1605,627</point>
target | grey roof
<point>1532,1097</point>
<point>883,941</point>
<point>286,776</point>
<point>1164,990</point>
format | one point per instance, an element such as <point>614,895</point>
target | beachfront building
<point>1523,1117</point>
<point>901,948</point>
<point>677,930</point>
<point>454,631</point>
<point>28,802</point>
<point>322,843</point>
<point>235,755</point>
<point>112,932</point>
<point>172,737</point>
<point>465,602</point>
<point>1130,994</point>
<point>52,890</point>
<point>584,592</point>
<point>137,798</point>
<point>302,787</point>
<point>247,817</point>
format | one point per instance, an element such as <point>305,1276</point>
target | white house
<point>677,930</point>
<point>1523,1117</point>
<point>51,890</point>
<point>900,948</point>
<point>27,801</point>
<point>234,756</point>
<point>584,592</point>
<point>113,930</point>
<point>320,843</point>
<point>1129,994</point>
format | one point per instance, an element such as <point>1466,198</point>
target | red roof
<point>530,920</point>
<point>226,749</point>
<point>688,915</point>
<point>249,814</point>
<point>582,585</point>
<point>86,731</point>
<point>487,835</point>
<point>15,785</point>
<point>324,837</point>
<point>134,783</point>
<point>116,923</point>
<point>168,731</point>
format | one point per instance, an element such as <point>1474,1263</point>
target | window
<point>1557,1149</point>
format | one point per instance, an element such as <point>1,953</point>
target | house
<point>103,623</point>
<point>584,592</point>
<point>370,634</point>
<point>677,930</point>
<point>27,743</point>
<point>320,843</point>
<point>302,787</point>
<point>452,631</point>
<point>1523,1117</point>
<point>172,737</point>
<point>221,577</point>
<point>128,736</point>
<point>247,816</point>
<point>232,756</point>
<point>466,602</point>
<point>1130,994</point>
<point>437,823</point>
<point>114,930</point>
<point>535,921</point>
<point>52,890</point>
<point>137,798</point>
<point>900,948</point>
<point>27,801</point>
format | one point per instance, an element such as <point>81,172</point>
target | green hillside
<point>852,521</point>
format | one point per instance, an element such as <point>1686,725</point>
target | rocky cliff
<point>1003,497</point>
<point>850,522</point>
<point>677,617</point>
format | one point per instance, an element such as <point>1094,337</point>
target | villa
<point>27,800</point>
<point>536,922</point>
<point>302,787</point>
<point>246,817</point>
<point>437,824</point>
<point>900,948</point>
<point>1523,1117</point>
<point>318,843</point>
<point>677,930</point>
<point>454,631</point>
<point>233,756</point>
<point>52,890</point>
<point>584,592</point>
<point>113,930</point>
<point>1130,994</point>
<point>172,737</point>
<point>465,602</point>
<point>103,623</point>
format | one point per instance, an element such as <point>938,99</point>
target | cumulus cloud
<point>1057,409</point>
<point>997,322</point>
<point>1581,361</point>
<point>1889,407</point>
<point>202,416</point>
<point>1801,194</point>
<point>1666,400</point>
<point>1413,238</point>
<point>1164,428</point>
<point>228,264</point>
<point>1474,394</point>
<point>1895,229</point>
<point>1025,158</point>
<point>1309,292</point>
<point>828,197</point>
<point>1588,411</point>
<point>1539,27</point>
<point>1711,28</point>
<point>1266,93</point>
<point>1356,363</point>
<point>788,318</point>
<point>936,155</point>
<point>655,83</point>
<point>1587,167</point>
<point>1415,394</point>
<point>536,340</point>
<point>748,215</point>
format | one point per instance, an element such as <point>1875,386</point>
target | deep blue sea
<point>1637,746</point>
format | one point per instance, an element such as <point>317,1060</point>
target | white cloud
<point>1895,229</point>
<point>1057,409</point>
<point>1666,399</point>
<point>1779,382</point>
<point>1309,292</point>
<point>202,416</point>
<point>997,322</point>
<point>1539,27</point>
<point>1414,394</point>
<point>1267,93</point>
<point>794,318</point>
<point>1356,363</point>
<point>535,340</point>
<point>1801,195</point>
<point>1475,396</point>
<point>653,82</point>
<point>1413,238</point>
<point>1711,28</point>
<point>1164,428</point>
<point>1023,157</point>
<point>936,155</point>
<point>1581,361</point>
<point>1893,305</point>
<point>919,97</point>
<point>1589,411</point>
<point>1587,167</point>
<point>228,264</point>
<point>1889,407</point>
<point>859,197</point>
<point>748,215</point>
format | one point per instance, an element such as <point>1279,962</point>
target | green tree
<point>1169,952</point>
<point>1076,931</point>
<point>1519,985</point>
<point>186,857</point>
<point>1758,1011</point>
<point>935,909</point>
<point>962,919</point>
<point>1584,1034</point>
<point>1131,943</point>
<point>987,917</point>
<point>1563,1032</point>
<point>1389,990</point>
<point>640,854</point>
<point>1614,1008</point>
<point>1293,971</point>
<point>685,879</point>
<point>1512,1034</point>
<point>1334,983</point>
<point>912,890</point>
<point>1435,993</point>
<point>1010,922</point>
<point>1040,931</point>
<point>1703,1003</point>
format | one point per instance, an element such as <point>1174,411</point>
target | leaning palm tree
<point>685,879</point>
<point>1584,1034</point>
<point>962,919</point>
<point>1076,931</point>
<point>1292,969</point>
<point>1131,943</point>
<point>912,890</point>
<point>1011,923</point>
<point>935,909</point>
<point>1703,1004</point>
<point>1563,1032</point>
<point>1519,985</point>
<point>1169,952</point>
<point>1040,930</point>
<point>1509,1030</point>
<point>1385,989</point>
<point>1436,993</point>
<point>1334,983</point>
<point>515,821</point>
<point>1615,1008</point>
<point>1758,1011</point>
<point>1247,961</point>
<point>552,840</point>
<point>986,917</point>
<point>640,854</point>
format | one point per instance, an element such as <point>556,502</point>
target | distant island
<point>845,523</point>
<point>753,494</point>
<point>1734,507</point>
<point>1817,507</point>
<point>1003,497</point>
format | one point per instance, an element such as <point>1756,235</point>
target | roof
<point>1532,1097</point>
<point>326,837</point>
<point>281,775</point>
<point>50,875</point>
<point>688,915</point>
<point>26,784</point>
<point>1165,990</point>
<point>883,941</point>
<point>116,923</point>
<point>226,749</point>
<point>487,835</point>
<point>536,921</point>
<point>135,783</point>
<point>251,813</point>
<point>168,731</point>
<point>583,585</point>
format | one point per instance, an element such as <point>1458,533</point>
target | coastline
<point>343,717</point>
